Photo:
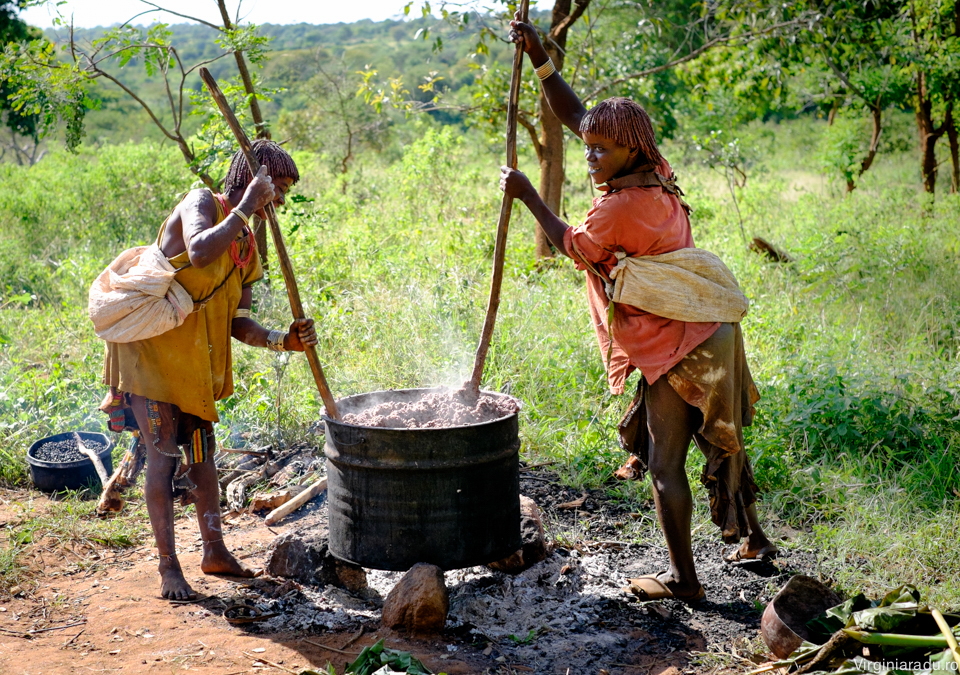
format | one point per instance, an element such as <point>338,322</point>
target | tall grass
<point>854,344</point>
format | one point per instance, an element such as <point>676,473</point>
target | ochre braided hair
<point>279,165</point>
<point>626,123</point>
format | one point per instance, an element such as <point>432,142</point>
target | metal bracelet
<point>275,341</point>
<point>240,214</point>
<point>546,70</point>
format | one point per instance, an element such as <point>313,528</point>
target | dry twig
<point>328,648</point>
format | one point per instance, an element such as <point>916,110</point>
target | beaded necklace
<point>234,247</point>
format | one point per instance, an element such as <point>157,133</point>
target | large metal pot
<point>449,497</point>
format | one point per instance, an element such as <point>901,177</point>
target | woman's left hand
<point>302,334</point>
<point>515,184</point>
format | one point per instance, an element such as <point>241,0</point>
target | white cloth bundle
<point>689,284</point>
<point>136,297</point>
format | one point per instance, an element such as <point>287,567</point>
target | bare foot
<point>172,584</point>
<point>218,560</point>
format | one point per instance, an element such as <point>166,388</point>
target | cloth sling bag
<point>137,297</point>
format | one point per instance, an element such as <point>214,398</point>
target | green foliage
<point>43,91</point>
<point>380,660</point>
<point>842,147</point>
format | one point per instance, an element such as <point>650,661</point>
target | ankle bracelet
<point>168,557</point>
<point>212,541</point>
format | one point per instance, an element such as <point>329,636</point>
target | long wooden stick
<point>293,293</point>
<point>95,458</point>
<point>499,250</point>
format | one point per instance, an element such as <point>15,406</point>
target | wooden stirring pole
<point>293,293</point>
<point>499,250</point>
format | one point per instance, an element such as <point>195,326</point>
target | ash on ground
<point>66,450</point>
<point>565,612</point>
<point>439,410</point>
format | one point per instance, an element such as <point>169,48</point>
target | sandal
<point>632,469</point>
<point>765,554</point>
<point>649,587</point>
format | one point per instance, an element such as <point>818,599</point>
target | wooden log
<point>293,292</point>
<point>503,224</point>
<point>295,503</point>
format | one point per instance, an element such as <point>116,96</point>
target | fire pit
<point>449,496</point>
<point>56,464</point>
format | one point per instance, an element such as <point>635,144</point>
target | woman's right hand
<point>526,35</point>
<point>516,184</point>
<point>260,192</point>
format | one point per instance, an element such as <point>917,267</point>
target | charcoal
<point>65,451</point>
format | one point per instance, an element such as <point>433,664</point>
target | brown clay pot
<point>783,625</point>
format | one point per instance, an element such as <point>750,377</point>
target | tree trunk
<point>551,171</point>
<point>551,129</point>
<point>262,130</point>
<point>867,161</point>
<point>929,134</point>
<point>928,161</point>
<point>259,230</point>
<point>951,126</point>
<point>833,110</point>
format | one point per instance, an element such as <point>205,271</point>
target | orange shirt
<point>641,221</point>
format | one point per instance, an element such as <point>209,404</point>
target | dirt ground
<point>98,610</point>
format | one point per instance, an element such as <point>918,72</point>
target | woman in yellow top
<point>170,381</point>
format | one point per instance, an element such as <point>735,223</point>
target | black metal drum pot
<point>397,497</point>
<point>57,476</point>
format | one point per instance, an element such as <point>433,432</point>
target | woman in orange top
<point>695,382</point>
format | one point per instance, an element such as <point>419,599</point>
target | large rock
<point>534,547</point>
<point>419,603</point>
<point>308,560</point>
<point>293,557</point>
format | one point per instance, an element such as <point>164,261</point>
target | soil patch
<point>564,615</point>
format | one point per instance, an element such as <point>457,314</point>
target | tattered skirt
<point>715,379</point>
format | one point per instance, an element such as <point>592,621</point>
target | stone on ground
<point>308,560</point>
<point>534,543</point>
<point>292,557</point>
<point>419,603</point>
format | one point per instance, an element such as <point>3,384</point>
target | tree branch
<point>723,39</point>
<point>173,106</point>
<point>570,19</point>
<point>131,94</point>
<point>842,76</point>
<point>203,63</point>
<point>182,16</point>
<point>532,130</point>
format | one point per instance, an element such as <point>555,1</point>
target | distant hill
<point>295,50</point>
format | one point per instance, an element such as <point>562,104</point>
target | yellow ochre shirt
<point>190,366</point>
